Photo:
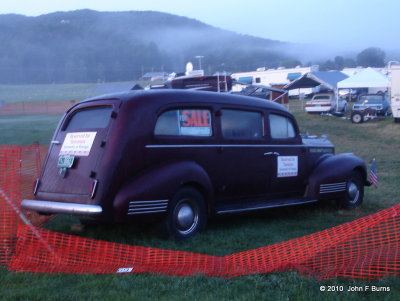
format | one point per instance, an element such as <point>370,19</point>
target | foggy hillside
<point>89,46</point>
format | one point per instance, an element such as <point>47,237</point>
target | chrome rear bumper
<point>58,207</point>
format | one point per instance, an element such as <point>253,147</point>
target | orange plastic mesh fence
<point>19,167</point>
<point>366,248</point>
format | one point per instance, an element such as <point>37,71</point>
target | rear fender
<point>329,178</point>
<point>160,184</point>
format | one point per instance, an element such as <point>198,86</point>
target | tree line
<point>369,57</point>
<point>89,46</point>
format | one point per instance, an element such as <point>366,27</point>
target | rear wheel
<point>354,191</point>
<point>186,214</point>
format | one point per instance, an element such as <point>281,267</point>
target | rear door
<point>76,150</point>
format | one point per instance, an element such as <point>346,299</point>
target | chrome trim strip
<point>37,182</point>
<point>145,202</point>
<point>143,207</point>
<point>331,188</point>
<point>264,207</point>
<point>147,205</point>
<point>145,212</point>
<point>331,191</point>
<point>333,184</point>
<point>94,188</point>
<point>147,208</point>
<point>222,145</point>
<point>59,207</point>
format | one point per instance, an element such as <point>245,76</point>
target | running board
<point>260,206</point>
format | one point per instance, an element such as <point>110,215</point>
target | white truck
<point>395,92</point>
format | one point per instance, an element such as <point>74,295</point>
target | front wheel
<point>186,215</point>
<point>354,191</point>
<point>357,117</point>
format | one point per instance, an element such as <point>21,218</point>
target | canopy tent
<point>367,78</point>
<point>327,79</point>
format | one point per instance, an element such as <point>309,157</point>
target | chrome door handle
<point>272,154</point>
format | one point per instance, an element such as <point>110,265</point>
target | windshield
<point>371,98</point>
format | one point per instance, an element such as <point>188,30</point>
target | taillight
<point>93,188</point>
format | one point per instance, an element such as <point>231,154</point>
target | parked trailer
<point>271,77</point>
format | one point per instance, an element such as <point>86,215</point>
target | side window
<point>281,127</point>
<point>184,122</point>
<point>241,124</point>
<point>93,118</point>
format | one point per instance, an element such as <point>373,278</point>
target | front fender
<point>329,177</point>
<point>160,184</point>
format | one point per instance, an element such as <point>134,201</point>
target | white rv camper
<point>395,92</point>
<point>271,77</point>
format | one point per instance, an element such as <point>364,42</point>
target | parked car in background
<point>177,157</point>
<point>256,91</point>
<point>377,102</point>
<point>352,94</point>
<point>325,103</point>
<point>370,106</point>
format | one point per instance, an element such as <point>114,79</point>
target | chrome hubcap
<point>353,192</point>
<point>186,218</point>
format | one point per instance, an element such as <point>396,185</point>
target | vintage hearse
<point>182,156</point>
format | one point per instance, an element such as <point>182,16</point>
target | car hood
<point>317,142</point>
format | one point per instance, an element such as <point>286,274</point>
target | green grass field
<point>60,92</point>
<point>379,139</point>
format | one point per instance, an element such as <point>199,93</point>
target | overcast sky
<point>340,24</point>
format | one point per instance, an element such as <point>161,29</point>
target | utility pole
<point>199,57</point>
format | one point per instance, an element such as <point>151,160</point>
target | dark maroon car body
<point>129,155</point>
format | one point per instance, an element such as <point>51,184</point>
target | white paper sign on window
<point>287,166</point>
<point>78,144</point>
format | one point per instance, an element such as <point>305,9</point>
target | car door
<point>243,172</point>
<point>74,154</point>
<point>286,156</point>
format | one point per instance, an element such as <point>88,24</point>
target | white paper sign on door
<point>78,144</point>
<point>287,166</point>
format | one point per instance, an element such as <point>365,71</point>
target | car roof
<point>159,97</point>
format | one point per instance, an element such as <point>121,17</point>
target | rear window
<point>96,118</point>
<point>322,97</point>
<point>184,122</point>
